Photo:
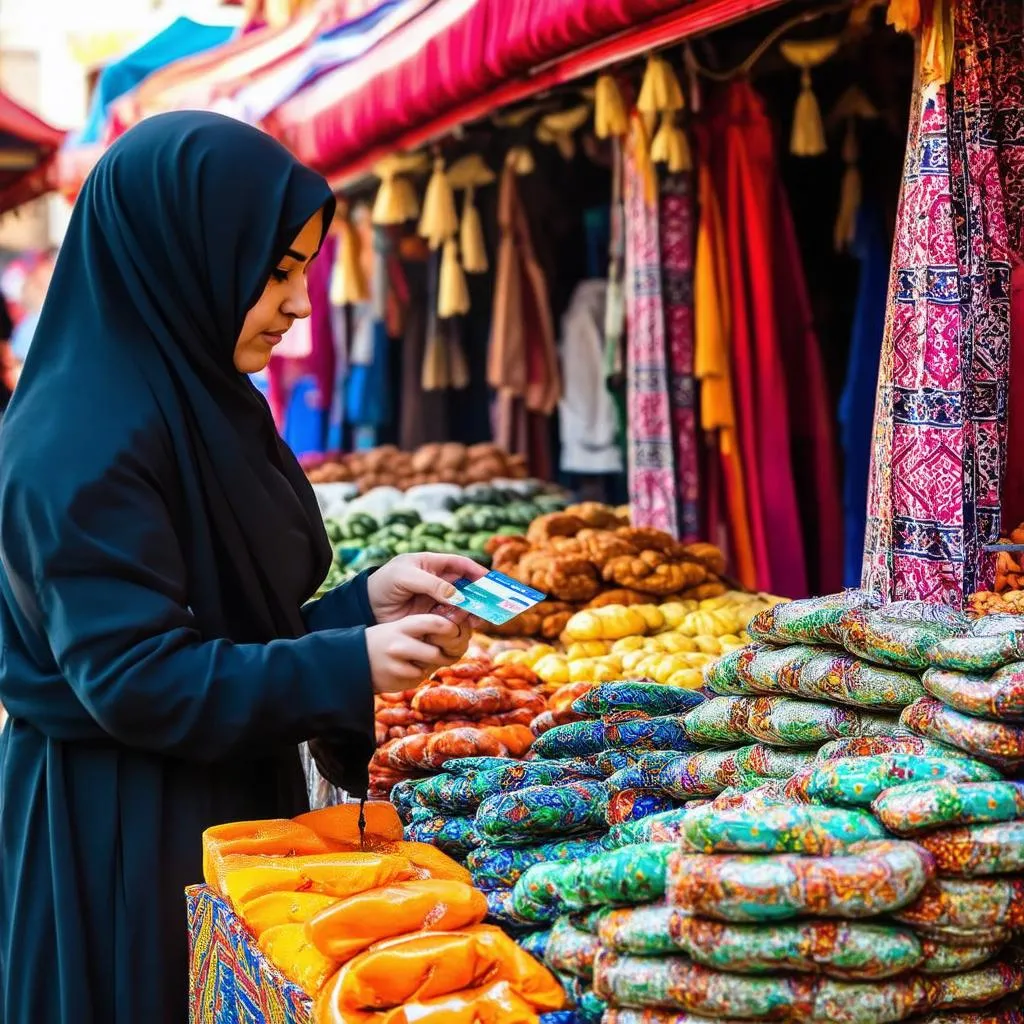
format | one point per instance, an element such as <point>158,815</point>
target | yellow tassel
<point>520,158</point>
<point>670,146</point>
<point>937,44</point>
<point>660,90</point>
<point>434,375</point>
<point>348,282</point>
<point>808,135</point>
<point>471,237</point>
<point>849,195</point>
<point>452,290</point>
<point>396,202</point>
<point>609,109</point>
<point>439,221</point>
<point>644,166</point>
<point>458,367</point>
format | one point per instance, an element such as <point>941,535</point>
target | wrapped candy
<point>996,849</point>
<point>455,836</point>
<point>972,904</point>
<point>994,742</point>
<point>703,774</point>
<point>500,867</point>
<point>539,812</point>
<point>920,806</point>
<point>720,722</point>
<point>651,698</point>
<point>903,741</point>
<point>999,696</point>
<point>812,621</point>
<point>789,722</point>
<point>766,762</point>
<point>899,635</point>
<point>571,950</point>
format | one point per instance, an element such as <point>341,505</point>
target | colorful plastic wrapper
<point>454,836</point>
<point>920,806</point>
<point>942,958</point>
<point>653,698</point>
<point>666,827</point>
<point>848,680</point>
<point>590,1008</point>
<point>994,641</point>
<point>501,908</point>
<point>769,670</point>
<point>999,744</point>
<point>559,1017</point>
<point>535,896</point>
<point>645,772</point>
<point>676,983</point>
<point>469,765</point>
<point>574,988</point>
<point>403,796</point>
<point>766,762</point>
<point>667,732</point>
<point>980,986</point>
<point>586,920</point>
<point>721,677</point>
<point>721,722</point>
<point>999,696</point>
<point>539,812</point>
<point>574,739</point>
<point>1006,1011</point>
<point>800,828</point>
<point>812,621</point>
<point>968,903</point>
<point>536,943</point>
<point>500,867</point>
<point>881,876</point>
<point>976,938</point>
<point>791,722</point>
<point>635,804</point>
<point>625,1015</point>
<point>796,788</point>
<point>899,635</point>
<point>996,849</point>
<point>571,950</point>
<point>857,781</point>
<point>902,742</point>
<point>523,774</point>
<point>447,792</point>
<point>608,762</point>
<point>633,874</point>
<point>703,774</point>
<point>769,794</point>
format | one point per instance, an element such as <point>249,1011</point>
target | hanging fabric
<point>615,309</point>
<point>676,236</point>
<point>745,163</point>
<point>651,462</point>
<point>940,433</point>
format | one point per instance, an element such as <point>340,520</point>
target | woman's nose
<point>297,304</point>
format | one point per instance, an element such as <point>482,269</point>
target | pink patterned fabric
<point>677,251</point>
<point>939,454</point>
<point>651,460</point>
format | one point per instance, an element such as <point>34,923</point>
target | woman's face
<point>285,299</point>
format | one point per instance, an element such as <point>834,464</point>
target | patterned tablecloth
<point>230,980</point>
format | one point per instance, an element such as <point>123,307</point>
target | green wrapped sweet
<point>771,670</point>
<point>454,836</point>
<point>403,797</point>
<point>920,806</point>
<point>875,878</point>
<point>665,827</point>
<point>633,874</point>
<point>996,743</point>
<point>571,951</point>
<point>719,722</point>
<point>500,867</point>
<point>767,794</point>
<point>586,920</point>
<point>468,765</point>
<point>535,896</point>
<point>766,762</point>
<point>722,676</point>
<point>849,680</point>
<point>501,910</point>
<point>971,904</point>
<point>812,621</point>
<point>540,812</point>
<point>446,792</point>
<point>976,938</point>
<point>942,958</point>
<point>982,986</point>
<point>996,849</point>
<point>789,722</point>
<point>628,695</point>
<point>574,739</point>
<point>857,781</point>
<point>849,951</point>
<point>703,774</point>
<point>999,696</point>
<point>900,635</point>
<point>992,642</point>
<point>822,831</point>
<point>903,741</point>
<point>535,943</point>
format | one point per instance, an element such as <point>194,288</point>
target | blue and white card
<point>495,598</point>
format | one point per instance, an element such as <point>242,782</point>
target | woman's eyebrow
<point>300,256</point>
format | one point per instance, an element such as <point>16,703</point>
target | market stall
<point>27,148</point>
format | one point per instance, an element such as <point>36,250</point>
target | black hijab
<point>171,242</point>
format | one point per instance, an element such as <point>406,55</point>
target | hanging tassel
<point>641,150</point>
<point>660,90</point>
<point>458,366</point>
<point>348,282</point>
<point>396,201</point>
<point>808,135</point>
<point>439,221</point>
<point>559,129</point>
<point>435,376</point>
<point>520,159</point>
<point>850,193</point>
<point>452,290</point>
<point>609,109</point>
<point>670,146</point>
<point>471,237</point>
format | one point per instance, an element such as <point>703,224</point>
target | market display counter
<point>230,980</point>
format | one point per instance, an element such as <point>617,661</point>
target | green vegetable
<point>402,516</point>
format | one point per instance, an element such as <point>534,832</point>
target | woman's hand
<point>405,652</point>
<point>414,584</point>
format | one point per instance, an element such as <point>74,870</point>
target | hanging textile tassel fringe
<point>439,220</point>
<point>850,193</point>
<point>671,147</point>
<point>660,90</point>
<point>808,135</point>
<point>348,282</point>
<point>609,109</point>
<point>458,367</point>
<point>471,237</point>
<point>452,290</point>
<point>435,375</point>
<point>395,203</point>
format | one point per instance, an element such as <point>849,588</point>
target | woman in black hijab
<point>158,544</point>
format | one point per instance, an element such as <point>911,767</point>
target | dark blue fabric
<point>182,38</point>
<point>158,542</point>
<point>857,403</point>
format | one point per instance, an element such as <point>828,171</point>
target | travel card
<point>495,598</point>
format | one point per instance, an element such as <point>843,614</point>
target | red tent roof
<point>27,147</point>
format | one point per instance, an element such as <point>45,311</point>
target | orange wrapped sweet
<point>277,837</point>
<point>338,874</point>
<point>427,965</point>
<point>340,824</point>
<point>429,860</point>
<point>497,1003</point>
<point>289,949</point>
<point>277,908</point>
<point>432,904</point>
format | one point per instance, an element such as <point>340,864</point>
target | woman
<point>158,543</point>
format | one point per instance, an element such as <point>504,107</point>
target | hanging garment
<point>615,305</point>
<point>813,447</point>
<point>368,389</point>
<point>712,368</point>
<point>742,133</point>
<point>676,232</point>
<point>651,464</point>
<point>586,412</point>
<point>857,404</point>
<point>939,452</point>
